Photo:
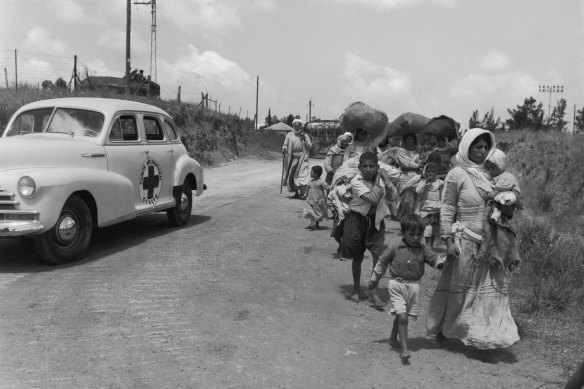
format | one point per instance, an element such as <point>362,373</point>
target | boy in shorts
<point>363,228</point>
<point>406,261</point>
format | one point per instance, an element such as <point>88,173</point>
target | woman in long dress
<point>408,160</point>
<point>362,143</point>
<point>471,301</point>
<point>296,151</point>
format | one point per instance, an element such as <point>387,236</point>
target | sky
<point>431,57</point>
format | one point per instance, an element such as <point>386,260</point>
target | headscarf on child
<point>499,159</point>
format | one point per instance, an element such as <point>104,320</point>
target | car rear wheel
<point>180,214</point>
<point>70,236</point>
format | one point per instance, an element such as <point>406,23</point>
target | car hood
<point>50,150</point>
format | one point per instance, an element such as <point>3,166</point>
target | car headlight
<point>26,187</point>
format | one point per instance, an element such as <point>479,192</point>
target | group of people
<point>461,194</point>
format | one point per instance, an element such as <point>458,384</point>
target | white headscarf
<point>477,172</point>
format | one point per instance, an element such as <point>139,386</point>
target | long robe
<point>471,301</point>
<point>296,161</point>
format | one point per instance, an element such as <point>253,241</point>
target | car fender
<point>113,194</point>
<point>185,165</point>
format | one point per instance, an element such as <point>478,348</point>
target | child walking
<point>315,208</point>
<point>429,190</point>
<point>338,201</point>
<point>364,228</point>
<point>406,261</point>
<point>499,240</point>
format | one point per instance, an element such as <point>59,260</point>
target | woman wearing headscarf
<point>408,159</point>
<point>334,157</point>
<point>296,151</point>
<point>471,301</point>
<point>362,143</point>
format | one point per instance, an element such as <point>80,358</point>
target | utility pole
<point>15,72</point>
<point>309,109</point>
<point>257,93</point>
<point>6,77</point>
<point>178,95</point>
<point>551,89</point>
<point>128,29</point>
<point>152,37</point>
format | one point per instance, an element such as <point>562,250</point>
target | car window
<point>170,131</point>
<point>124,129</point>
<point>79,122</point>
<point>30,121</point>
<point>153,129</point>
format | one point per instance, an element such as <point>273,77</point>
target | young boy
<point>499,241</point>
<point>315,208</point>
<point>363,228</point>
<point>406,261</point>
<point>428,191</point>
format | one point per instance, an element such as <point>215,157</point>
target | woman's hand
<point>452,251</point>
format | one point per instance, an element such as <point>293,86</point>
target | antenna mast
<point>152,38</point>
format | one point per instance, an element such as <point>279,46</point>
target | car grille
<point>7,200</point>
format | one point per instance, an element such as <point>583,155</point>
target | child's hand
<point>440,266</point>
<point>372,285</point>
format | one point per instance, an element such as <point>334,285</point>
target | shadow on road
<point>18,255</point>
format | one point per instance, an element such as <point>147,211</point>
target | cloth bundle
<point>407,123</point>
<point>360,115</point>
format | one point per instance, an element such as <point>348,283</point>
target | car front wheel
<point>180,214</point>
<point>70,236</point>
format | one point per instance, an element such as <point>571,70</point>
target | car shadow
<point>18,255</point>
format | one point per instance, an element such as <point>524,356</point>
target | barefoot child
<point>406,261</point>
<point>428,191</point>
<point>499,244</point>
<point>363,228</point>
<point>315,208</point>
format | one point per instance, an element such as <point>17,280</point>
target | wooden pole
<point>257,94</point>
<point>178,94</point>
<point>128,30</point>
<point>6,77</point>
<point>15,71</point>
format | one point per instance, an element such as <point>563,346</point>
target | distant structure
<point>139,84</point>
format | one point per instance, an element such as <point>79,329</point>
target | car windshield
<point>30,121</point>
<point>78,122</point>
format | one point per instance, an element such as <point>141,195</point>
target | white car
<point>70,165</point>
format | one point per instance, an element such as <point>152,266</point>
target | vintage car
<point>70,165</point>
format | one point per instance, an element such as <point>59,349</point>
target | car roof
<point>97,103</point>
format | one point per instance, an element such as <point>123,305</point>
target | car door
<point>130,155</point>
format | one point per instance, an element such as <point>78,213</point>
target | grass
<point>548,289</point>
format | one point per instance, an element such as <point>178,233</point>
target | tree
<point>289,119</point>
<point>579,122</point>
<point>48,84</point>
<point>474,121</point>
<point>60,83</point>
<point>556,121</point>
<point>269,118</point>
<point>528,115</point>
<point>489,122</point>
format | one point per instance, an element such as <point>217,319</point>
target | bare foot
<point>376,300</point>
<point>354,297</point>
<point>405,359</point>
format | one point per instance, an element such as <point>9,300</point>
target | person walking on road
<point>334,157</point>
<point>471,300</point>
<point>364,228</point>
<point>296,151</point>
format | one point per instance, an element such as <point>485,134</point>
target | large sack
<point>443,127</point>
<point>360,115</point>
<point>407,123</point>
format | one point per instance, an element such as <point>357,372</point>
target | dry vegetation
<point>548,291</point>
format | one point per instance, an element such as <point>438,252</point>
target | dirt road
<point>243,297</point>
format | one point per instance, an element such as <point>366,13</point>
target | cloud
<point>39,39</point>
<point>494,61</point>
<point>115,40</point>
<point>209,14</point>
<point>208,70</point>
